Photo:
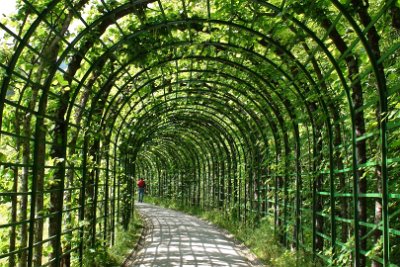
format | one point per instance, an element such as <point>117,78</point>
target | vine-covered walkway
<point>278,111</point>
<point>177,239</point>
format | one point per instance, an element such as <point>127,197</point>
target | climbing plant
<point>281,109</point>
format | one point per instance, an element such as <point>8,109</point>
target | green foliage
<point>395,250</point>
<point>148,54</point>
<point>6,183</point>
<point>343,257</point>
<point>101,256</point>
<point>126,240</point>
<point>98,257</point>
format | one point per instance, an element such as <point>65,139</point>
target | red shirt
<point>141,183</point>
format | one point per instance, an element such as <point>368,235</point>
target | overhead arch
<point>262,108</point>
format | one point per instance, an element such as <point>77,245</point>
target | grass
<point>125,241</point>
<point>260,239</point>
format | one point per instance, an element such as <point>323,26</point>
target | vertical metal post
<point>298,184</point>
<point>314,214</point>
<point>355,196</point>
<point>96,192</point>
<point>385,184</point>
<point>114,194</point>
<point>276,206</point>
<point>62,166</point>
<point>332,190</point>
<point>38,169</point>
<point>106,197</point>
<point>32,214</point>
<point>82,201</point>
<point>119,189</point>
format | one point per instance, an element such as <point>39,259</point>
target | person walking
<point>141,186</point>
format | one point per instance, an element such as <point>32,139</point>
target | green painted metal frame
<point>237,142</point>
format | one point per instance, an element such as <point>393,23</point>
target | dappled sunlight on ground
<point>177,239</point>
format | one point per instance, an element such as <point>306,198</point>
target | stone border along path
<point>173,238</point>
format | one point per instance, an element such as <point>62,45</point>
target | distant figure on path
<point>141,186</point>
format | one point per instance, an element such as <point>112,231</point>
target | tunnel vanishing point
<point>261,108</point>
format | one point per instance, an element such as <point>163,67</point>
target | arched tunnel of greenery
<point>286,109</point>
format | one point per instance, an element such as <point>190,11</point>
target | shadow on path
<point>178,239</point>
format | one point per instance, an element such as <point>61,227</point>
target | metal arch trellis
<point>129,123</point>
<point>227,135</point>
<point>132,94</point>
<point>165,184</point>
<point>186,177</point>
<point>111,165</point>
<point>200,145</point>
<point>239,199</point>
<point>206,146</point>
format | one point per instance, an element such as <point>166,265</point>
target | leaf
<point>3,157</point>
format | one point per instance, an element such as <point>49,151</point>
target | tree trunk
<point>359,124</point>
<point>394,12</point>
<point>358,101</point>
<point>26,151</point>
<point>318,185</point>
<point>58,150</point>
<point>20,183</point>
<point>14,204</point>
<point>378,213</point>
<point>344,210</point>
<point>56,197</point>
<point>373,39</point>
<point>26,170</point>
<point>336,142</point>
<point>38,225</point>
<point>38,236</point>
<point>48,63</point>
<point>23,123</point>
<point>70,172</point>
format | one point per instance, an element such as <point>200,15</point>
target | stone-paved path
<point>176,239</point>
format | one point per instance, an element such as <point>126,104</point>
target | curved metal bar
<point>228,135</point>
<point>198,137</point>
<point>136,146</point>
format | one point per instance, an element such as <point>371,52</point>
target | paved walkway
<point>176,239</point>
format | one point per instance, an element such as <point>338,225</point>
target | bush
<point>125,241</point>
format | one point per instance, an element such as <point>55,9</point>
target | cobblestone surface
<point>176,239</point>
